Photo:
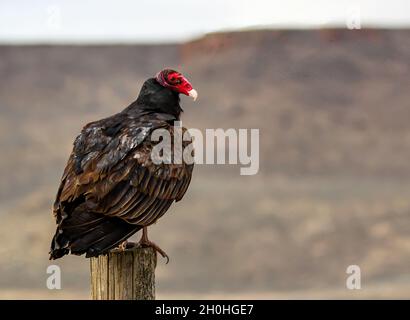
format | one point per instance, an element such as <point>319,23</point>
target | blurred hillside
<point>333,188</point>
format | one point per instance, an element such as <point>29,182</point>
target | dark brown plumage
<point>111,188</point>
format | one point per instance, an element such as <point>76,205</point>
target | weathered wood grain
<point>126,275</point>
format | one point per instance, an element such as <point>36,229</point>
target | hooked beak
<point>193,94</point>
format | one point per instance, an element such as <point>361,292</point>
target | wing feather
<point>117,183</point>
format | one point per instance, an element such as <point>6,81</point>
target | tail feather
<point>109,242</point>
<point>89,233</point>
<point>103,237</point>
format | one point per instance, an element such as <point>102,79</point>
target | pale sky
<point>102,21</point>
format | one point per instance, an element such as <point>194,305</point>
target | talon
<point>161,252</point>
<point>123,246</point>
<point>145,243</point>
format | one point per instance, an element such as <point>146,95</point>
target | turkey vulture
<point>111,188</point>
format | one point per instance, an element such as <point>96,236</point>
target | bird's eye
<point>174,79</point>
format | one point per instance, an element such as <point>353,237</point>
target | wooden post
<point>125,275</point>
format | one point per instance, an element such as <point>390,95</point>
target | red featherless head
<point>175,81</point>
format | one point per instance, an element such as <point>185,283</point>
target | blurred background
<point>326,83</point>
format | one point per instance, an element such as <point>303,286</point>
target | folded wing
<point>111,188</point>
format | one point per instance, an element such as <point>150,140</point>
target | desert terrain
<point>332,107</point>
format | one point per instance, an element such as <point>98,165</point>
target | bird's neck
<point>155,98</point>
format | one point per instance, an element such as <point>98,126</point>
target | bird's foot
<point>145,243</point>
<point>123,246</point>
<point>126,245</point>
